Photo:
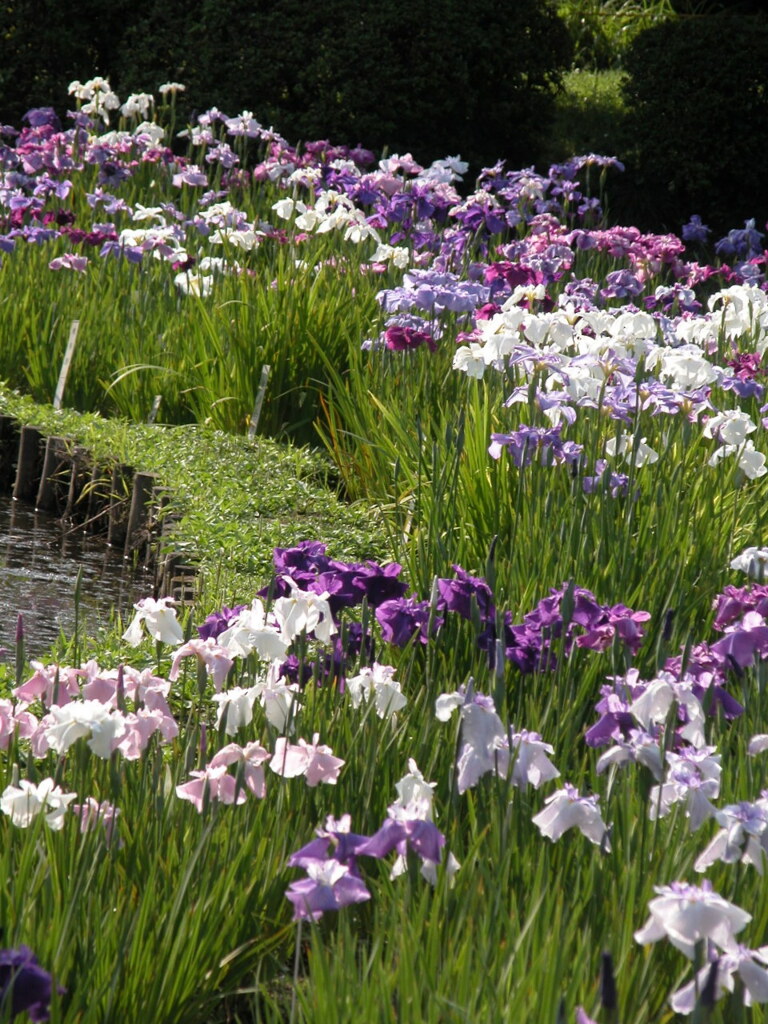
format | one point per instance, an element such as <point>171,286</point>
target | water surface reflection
<point>39,563</point>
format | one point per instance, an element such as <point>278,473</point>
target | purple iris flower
<point>332,842</point>
<point>330,885</point>
<point>341,585</point>
<point>525,442</point>
<point>734,602</point>
<point>696,231</point>
<point>218,622</point>
<point>422,836</point>
<point>400,339</point>
<point>621,284</point>
<point>380,583</point>
<point>307,556</point>
<point>616,483</point>
<point>741,242</point>
<point>456,595</point>
<point>40,116</point>
<point>24,985</point>
<point>742,646</point>
<point>402,618</point>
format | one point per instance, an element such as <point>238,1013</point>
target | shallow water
<point>39,563</point>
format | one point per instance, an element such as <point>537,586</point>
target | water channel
<point>39,564</point>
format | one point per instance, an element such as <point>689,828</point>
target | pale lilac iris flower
<point>749,964</point>
<point>566,809</point>
<point>213,656</point>
<point>687,914</point>
<point>743,836</point>
<point>312,760</point>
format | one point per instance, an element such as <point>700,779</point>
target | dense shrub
<point>697,115</point>
<point>45,44</point>
<point>432,76</point>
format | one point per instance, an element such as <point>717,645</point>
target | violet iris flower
<point>402,618</point>
<point>218,622</point>
<point>400,833</point>
<point>695,230</point>
<point>456,595</point>
<point>329,885</point>
<point>24,985</point>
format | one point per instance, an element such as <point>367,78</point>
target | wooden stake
<point>57,398</point>
<point>265,371</point>
<point>155,408</point>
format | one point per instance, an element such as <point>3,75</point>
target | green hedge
<point>431,76</point>
<point>435,77</point>
<point>696,95</point>
<point>46,44</point>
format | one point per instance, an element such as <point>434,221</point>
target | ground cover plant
<point>231,498</point>
<point>511,765</point>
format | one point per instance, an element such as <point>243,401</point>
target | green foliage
<point>587,116</point>
<point>696,102</point>
<point>602,30</point>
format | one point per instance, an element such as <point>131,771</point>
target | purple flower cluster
<point>526,442</point>
<point>734,602</point>
<point>605,479</point>
<point>572,616</point>
<point>347,584</point>
<point>569,616</point>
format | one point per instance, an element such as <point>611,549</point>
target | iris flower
<point>688,914</point>
<point>329,886</point>
<point>566,809</point>
<point>159,618</point>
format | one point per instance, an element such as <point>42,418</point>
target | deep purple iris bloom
<point>218,622</point>
<point>381,583</point>
<point>456,595</point>
<point>24,984</point>
<point>400,339</point>
<point>404,617</point>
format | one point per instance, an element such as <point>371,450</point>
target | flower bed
<point>560,425</point>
